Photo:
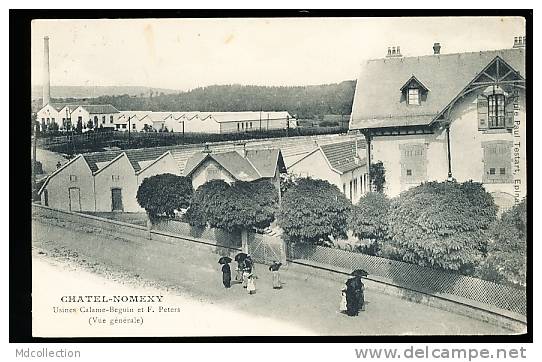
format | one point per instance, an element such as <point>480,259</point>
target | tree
<point>79,127</point>
<point>236,208</point>
<point>369,220</point>
<point>442,224</point>
<point>507,251</point>
<point>378,176</point>
<point>90,125</point>
<point>313,210</point>
<point>163,194</point>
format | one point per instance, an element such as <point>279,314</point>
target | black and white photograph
<point>280,176</point>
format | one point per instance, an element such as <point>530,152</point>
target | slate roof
<point>134,156</point>
<point>100,108</point>
<point>342,156</point>
<point>232,161</point>
<point>266,160</point>
<point>377,100</point>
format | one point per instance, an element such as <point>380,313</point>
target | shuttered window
<point>413,163</point>
<point>497,162</point>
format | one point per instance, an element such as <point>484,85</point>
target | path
<point>307,301</point>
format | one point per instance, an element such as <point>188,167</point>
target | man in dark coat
<point>226,275</point>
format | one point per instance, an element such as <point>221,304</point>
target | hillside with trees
<point>311,102</point>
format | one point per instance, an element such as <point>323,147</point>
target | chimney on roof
<point>436,48</point>
<point>394,52</point>
<point>46,77</point>
<point>519,41</point>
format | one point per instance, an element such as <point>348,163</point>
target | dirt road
<point>307,302</point>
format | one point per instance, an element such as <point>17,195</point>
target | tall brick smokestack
<point>46,76</point>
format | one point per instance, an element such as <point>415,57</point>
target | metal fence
<point>416,277</point>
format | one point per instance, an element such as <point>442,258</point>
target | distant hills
<point>312,101</point>
<point>97,91</point>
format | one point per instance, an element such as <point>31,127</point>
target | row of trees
<point>303,101</point>
<point>445,225</point>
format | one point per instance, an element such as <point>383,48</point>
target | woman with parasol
<point>226,271</point>
<point>274,268</point>
<point>240,259</point>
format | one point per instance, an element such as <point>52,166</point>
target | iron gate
<point>266,249</point>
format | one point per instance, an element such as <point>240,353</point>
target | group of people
<point>245,273</point>
<point>352,296</point>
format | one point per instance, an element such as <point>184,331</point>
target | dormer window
<point>413,96</point>
<point>414,92</point>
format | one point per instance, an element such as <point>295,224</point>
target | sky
<point>184,54</point>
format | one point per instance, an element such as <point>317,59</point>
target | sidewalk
<point>307,301</point>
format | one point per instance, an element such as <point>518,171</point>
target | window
<point>95,119</point>
<point>52,120</point>
<point>497,162</point>
<point>73,178</point>
<point>238,127</point>
<point>118,126</point>
<point>413,163</point>
<point>79,119</point>
<point>250,125</point>
<point>414,96</point>
<point>110,119</point>
<point>133,126</point>
<point>103,119</point>
<point>496,111</point>
<point>123,126</point>
<point>115,177</point>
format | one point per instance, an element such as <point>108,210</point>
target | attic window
<point>413,91</point>
<point>414,96</point>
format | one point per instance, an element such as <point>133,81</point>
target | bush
<point>443,225</point>
<point>38,167</point>
<point>241,206</point>
<point>378,176</point>
<point>313,210</point>
<point>507,250</point>
<point>163,194</point>
<point>369,220</point>
<point>206,199</point>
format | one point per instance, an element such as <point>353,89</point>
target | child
<point>342,307</point>
<point>251,284</point>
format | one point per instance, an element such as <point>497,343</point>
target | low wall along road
<point>483,300</point>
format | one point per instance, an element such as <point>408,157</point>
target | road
<point>306,303</point>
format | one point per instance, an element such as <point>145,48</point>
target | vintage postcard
<point>280,176</point>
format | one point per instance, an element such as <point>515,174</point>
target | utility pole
<point>129,129</point>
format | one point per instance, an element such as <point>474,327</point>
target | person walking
<point>361,296</point>
<point>352,297</point>
<point>247,270</point>
<point>274,268</point>
<point>226,275</point>
<point>342,306</point>
<point>251,284</point>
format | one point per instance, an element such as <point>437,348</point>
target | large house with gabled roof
<point>447,116</point>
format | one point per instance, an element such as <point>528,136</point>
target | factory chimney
<point>46,77</point>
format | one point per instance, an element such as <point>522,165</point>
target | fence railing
<point>415,277</point>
